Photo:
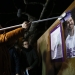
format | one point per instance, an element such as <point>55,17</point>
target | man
<point>70,39</point>
<point>15,61</point>
<point>7,39</point>
<point>29,59</point>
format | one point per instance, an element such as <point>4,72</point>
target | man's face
<point>70,23</point>
<point>25,44</point>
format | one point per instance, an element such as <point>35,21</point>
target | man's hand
<point>28,68</point>
<point>26,25</point>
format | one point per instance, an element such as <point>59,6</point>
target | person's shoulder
<point>12,50</point>
<point>31,48</point>
<point>23,49</point>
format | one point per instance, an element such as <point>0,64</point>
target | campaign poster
<point>56,43</point>
<point>69,32</point>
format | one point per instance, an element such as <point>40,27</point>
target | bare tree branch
<point>36,3</point>
<point>25,2</point>
<point>44,9</point>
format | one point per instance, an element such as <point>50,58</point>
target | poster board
<point>69,32</point>
<point>44,47</point>
<point>56,42</point>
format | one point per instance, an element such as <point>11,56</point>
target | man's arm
<point>14,34</point>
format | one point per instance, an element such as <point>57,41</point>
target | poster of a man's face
<point>69,31</point>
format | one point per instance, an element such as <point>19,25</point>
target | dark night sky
<point>12,6</point>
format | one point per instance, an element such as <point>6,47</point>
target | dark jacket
<point>15,61</point>
<point>29,58</point>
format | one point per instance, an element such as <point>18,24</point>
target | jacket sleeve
<point>11,35</point>
<point>35,56</point>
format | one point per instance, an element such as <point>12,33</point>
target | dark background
<point>9,9</point>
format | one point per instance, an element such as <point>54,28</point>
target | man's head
<point>70,23</point>
<point>25,44</point>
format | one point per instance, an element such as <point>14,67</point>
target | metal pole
<point>31,22</point>
<point>45,19</point>
<point>11,27</point>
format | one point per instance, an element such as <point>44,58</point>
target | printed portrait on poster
<point>56,42</point>
<point>69,32</point>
